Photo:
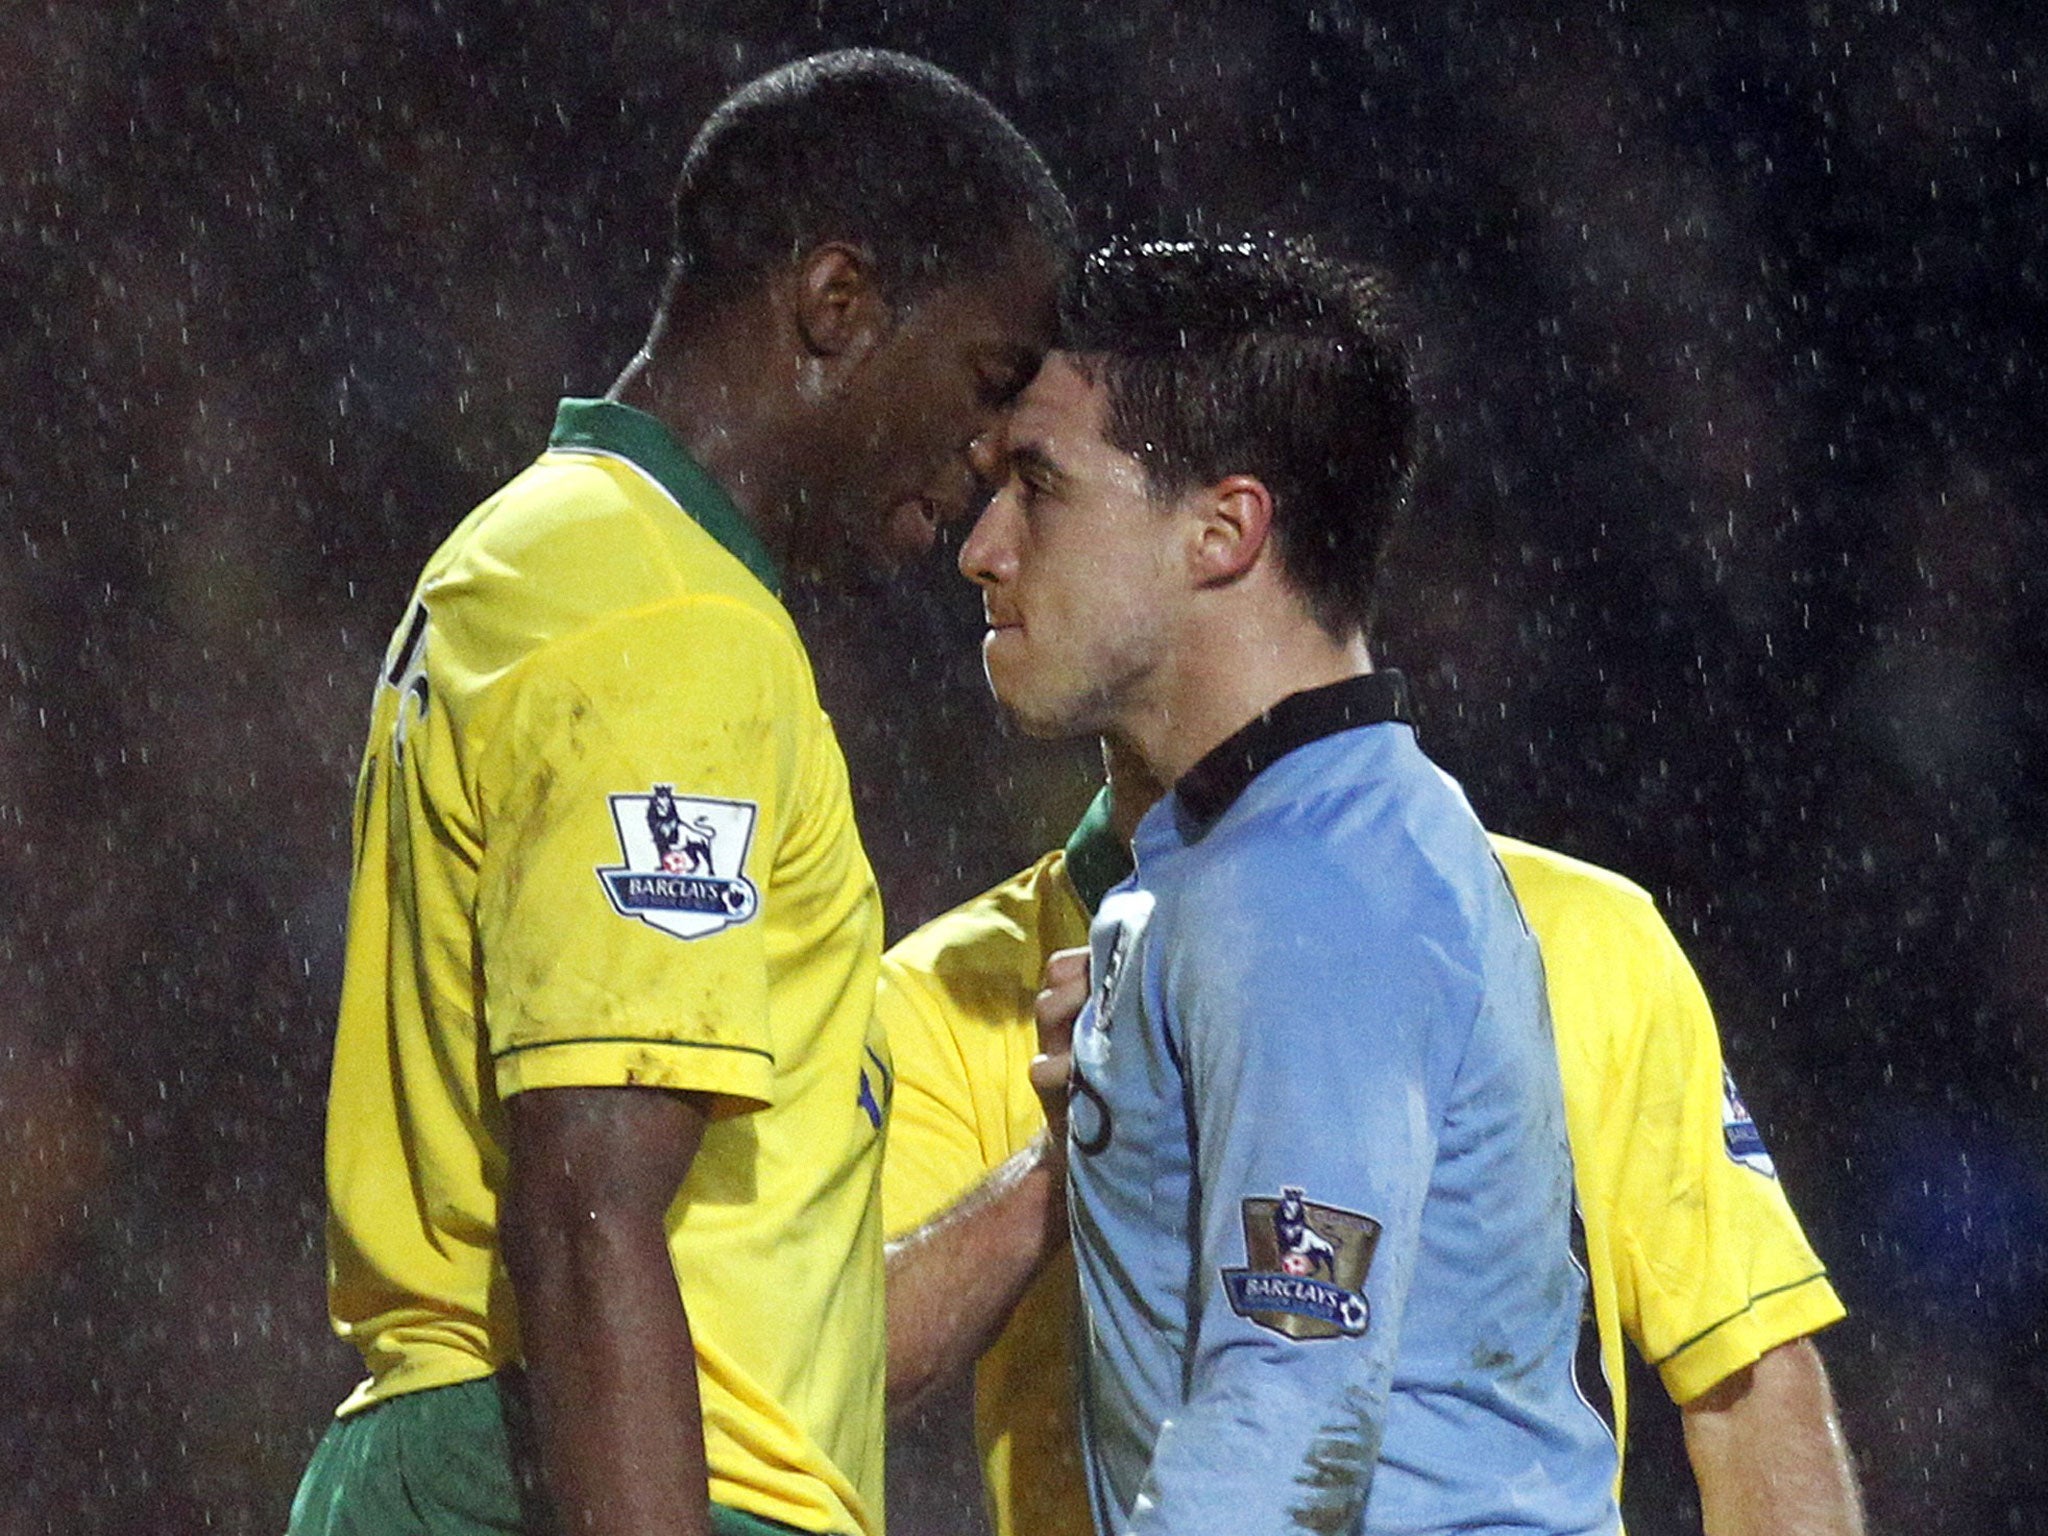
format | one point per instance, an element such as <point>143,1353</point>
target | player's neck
<point>1132,788</point>
<point>1230,675</point>
<point>712,396</point>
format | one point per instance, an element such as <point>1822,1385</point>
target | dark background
<point>1726,570</point>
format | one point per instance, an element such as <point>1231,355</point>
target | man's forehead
<point>1060,432</point>
<point>1017,301</point>
<point>1060,404</point>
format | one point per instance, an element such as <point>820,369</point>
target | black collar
<point>1209,788</point>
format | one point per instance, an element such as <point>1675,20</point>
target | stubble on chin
<point>1050,719</point>
<point>1095,693</point>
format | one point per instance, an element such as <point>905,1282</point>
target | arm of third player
<point>955,1280</point>
<point>1768,1453</point>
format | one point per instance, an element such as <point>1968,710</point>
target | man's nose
<point>985,559</point>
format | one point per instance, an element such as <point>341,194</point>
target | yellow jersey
<point>1694,1253</point>
<point>603,837</point>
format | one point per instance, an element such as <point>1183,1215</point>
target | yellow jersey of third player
<point>603,838</point>
<point>1694,1253</point>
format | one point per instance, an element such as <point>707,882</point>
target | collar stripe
<point>1212,786</point>
<point>619,431</point>
<point>1095,859</point>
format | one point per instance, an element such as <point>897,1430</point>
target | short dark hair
<point>1258,357</point>
<point>884,151</point>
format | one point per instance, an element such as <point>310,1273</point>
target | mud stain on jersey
<point>1491,1359</point>
<point>1336,1474</point>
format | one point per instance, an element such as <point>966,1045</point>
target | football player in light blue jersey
<point>1320,1192</point>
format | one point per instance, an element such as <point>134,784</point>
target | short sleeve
<point>1721,1271</point>
<point>633,784</point>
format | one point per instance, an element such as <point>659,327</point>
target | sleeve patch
<point>1745,1143</point>
<point>686,862</point>
<point>1305,1267</point>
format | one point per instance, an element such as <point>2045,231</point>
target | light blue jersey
<point>1321,1193</point>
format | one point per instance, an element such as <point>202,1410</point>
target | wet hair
<point>1258,358</point>
<point>883,151</point>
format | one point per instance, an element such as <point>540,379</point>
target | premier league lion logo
<point>686,855</point>
<point>1303,1250</point>
<point>1305,1267</point>
<point>685,847</point>
<point>1738,1128</point>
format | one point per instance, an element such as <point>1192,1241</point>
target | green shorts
<point>449,1461</point>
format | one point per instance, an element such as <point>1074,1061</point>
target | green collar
<point>609,427</point>
<point>1095,859</point>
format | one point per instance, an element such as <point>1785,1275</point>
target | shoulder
<point>976,960</point>
<point>1363,822</point>
<point>1557,878</point>
<point>578,541</point>
<point>1631,1021</point>
<point>1385,874</point>
<point>1572,905</point>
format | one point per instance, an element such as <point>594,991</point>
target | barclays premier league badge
<point>686,859</point>
<point>1305,1267</point>
<point>1738,1129</point>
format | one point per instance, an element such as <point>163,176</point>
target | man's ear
<point>839,309</point>
<point>1233,519</point>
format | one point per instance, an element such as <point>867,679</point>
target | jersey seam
<point>1743,1311</point>
<point>692,1045</point>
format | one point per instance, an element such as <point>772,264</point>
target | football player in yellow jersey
<point>1693,1251</point>
<point>604,1129</point>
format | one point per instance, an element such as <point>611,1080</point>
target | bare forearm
<point>601,1319</point>
<point>954,1282</point>
<point>1768,1453</point>
<point>614,1380</point>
